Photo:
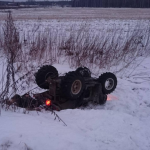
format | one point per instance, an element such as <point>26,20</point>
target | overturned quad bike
<point>74,89</point>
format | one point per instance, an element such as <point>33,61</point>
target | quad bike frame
<point>75,89</point>
<point>94,94</point>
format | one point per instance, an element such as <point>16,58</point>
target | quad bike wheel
<point>43,73</point>
<point>72,86</point>
<point>108,81</point>
<point>84,71</point>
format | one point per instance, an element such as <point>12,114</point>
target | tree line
<point>35,2</point>
<point>112,3</point>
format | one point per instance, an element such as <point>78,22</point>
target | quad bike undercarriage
<point>73,90</point>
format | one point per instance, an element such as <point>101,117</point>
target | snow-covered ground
<point>122,123</point>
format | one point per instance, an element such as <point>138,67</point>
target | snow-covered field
<point>79,13</point>
<point>122,123</point>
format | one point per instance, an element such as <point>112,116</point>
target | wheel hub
<point>76,87</point>
<point>109,84</point>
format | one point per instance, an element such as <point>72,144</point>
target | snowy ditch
<point>122,123</point>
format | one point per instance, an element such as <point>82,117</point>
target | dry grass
<point>82,47</point>
<point>78,47</point>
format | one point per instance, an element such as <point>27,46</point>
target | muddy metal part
<point>92,92</point>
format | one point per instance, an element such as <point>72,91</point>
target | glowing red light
<point>48,102</point>
<point>111,97</point>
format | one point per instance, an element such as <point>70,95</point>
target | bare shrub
<point>1,41</point>
<point>83,48</point>
<point>43,47</point>
<point>78,46</point>
<point>12,48</point>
